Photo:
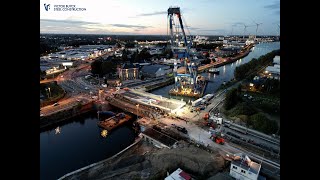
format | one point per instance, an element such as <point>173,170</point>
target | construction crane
<point>180,47</point>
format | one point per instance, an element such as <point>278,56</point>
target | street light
<point>49,92</point>
<point>137,110</point>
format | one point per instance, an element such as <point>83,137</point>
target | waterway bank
<point>76,143</point>
<point>65,115</point>
<point>82,173</point>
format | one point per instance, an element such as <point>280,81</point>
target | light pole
<point>137,110</point>
<point>49,92</point>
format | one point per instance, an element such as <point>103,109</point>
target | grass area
<point>265,102</point>
<point>50,96</point>
<point>247,112</point>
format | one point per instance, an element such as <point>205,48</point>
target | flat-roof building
<point>178,174</point>
<point>244,168</point>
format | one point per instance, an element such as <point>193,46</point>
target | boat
<point>114,121</point>
<point>214,70</point>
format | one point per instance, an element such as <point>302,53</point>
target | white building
<point>274,70</point>
<point>276,60</point>
<point>243,168</point>
<point>179,174</point>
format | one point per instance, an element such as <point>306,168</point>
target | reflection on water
<point>227,71</point>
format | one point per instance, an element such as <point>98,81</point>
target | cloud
<point>275,6</point>
<point>183,10</point>
<point>78,26</point>
<point>188,27</point>
<point>130,26</point>
<point>73,22</point>
<point>153,13</point>
<point>215,30</point>
<point>237,24</point>
<point>193,28</point>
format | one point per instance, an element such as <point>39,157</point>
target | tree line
<point>254,65</point>
<point>235,106</point>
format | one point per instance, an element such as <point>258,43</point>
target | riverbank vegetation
<point>250,110</point>
<point>51,93</point>
<point>247,70</point>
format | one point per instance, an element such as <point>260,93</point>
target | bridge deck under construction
<point>154,100</point>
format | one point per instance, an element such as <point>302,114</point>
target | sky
<point>149,17</point>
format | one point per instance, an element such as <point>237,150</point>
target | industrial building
<point>128,72</point>
<point>155,70</point>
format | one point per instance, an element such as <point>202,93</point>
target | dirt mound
<point>144,161</point>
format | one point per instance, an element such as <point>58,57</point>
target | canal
<point>226,71</point>
<point>69,146</point>
<point>78,144</point>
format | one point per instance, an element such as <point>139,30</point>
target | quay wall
<point>84,173</point>
<point>74,111</point>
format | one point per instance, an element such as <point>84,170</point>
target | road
<point>64,104</point>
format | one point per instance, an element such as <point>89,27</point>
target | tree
<point>231,99</point>
<point>96,67</point>
<point>144,54</point>
<point>108,67</point>
<point>136,56</point>
<point>42,74</point>
<point>124,56</point>
<point>261,123</point>
<point>239,88</point>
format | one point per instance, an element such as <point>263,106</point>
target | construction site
<point>178,135</point>
<point>145,161</point>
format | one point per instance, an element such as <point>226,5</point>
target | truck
<point>203,101</point>
<point>208,97</point>
<point>216,119</point>
<point>216,137</point>
<point>196,102</point>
